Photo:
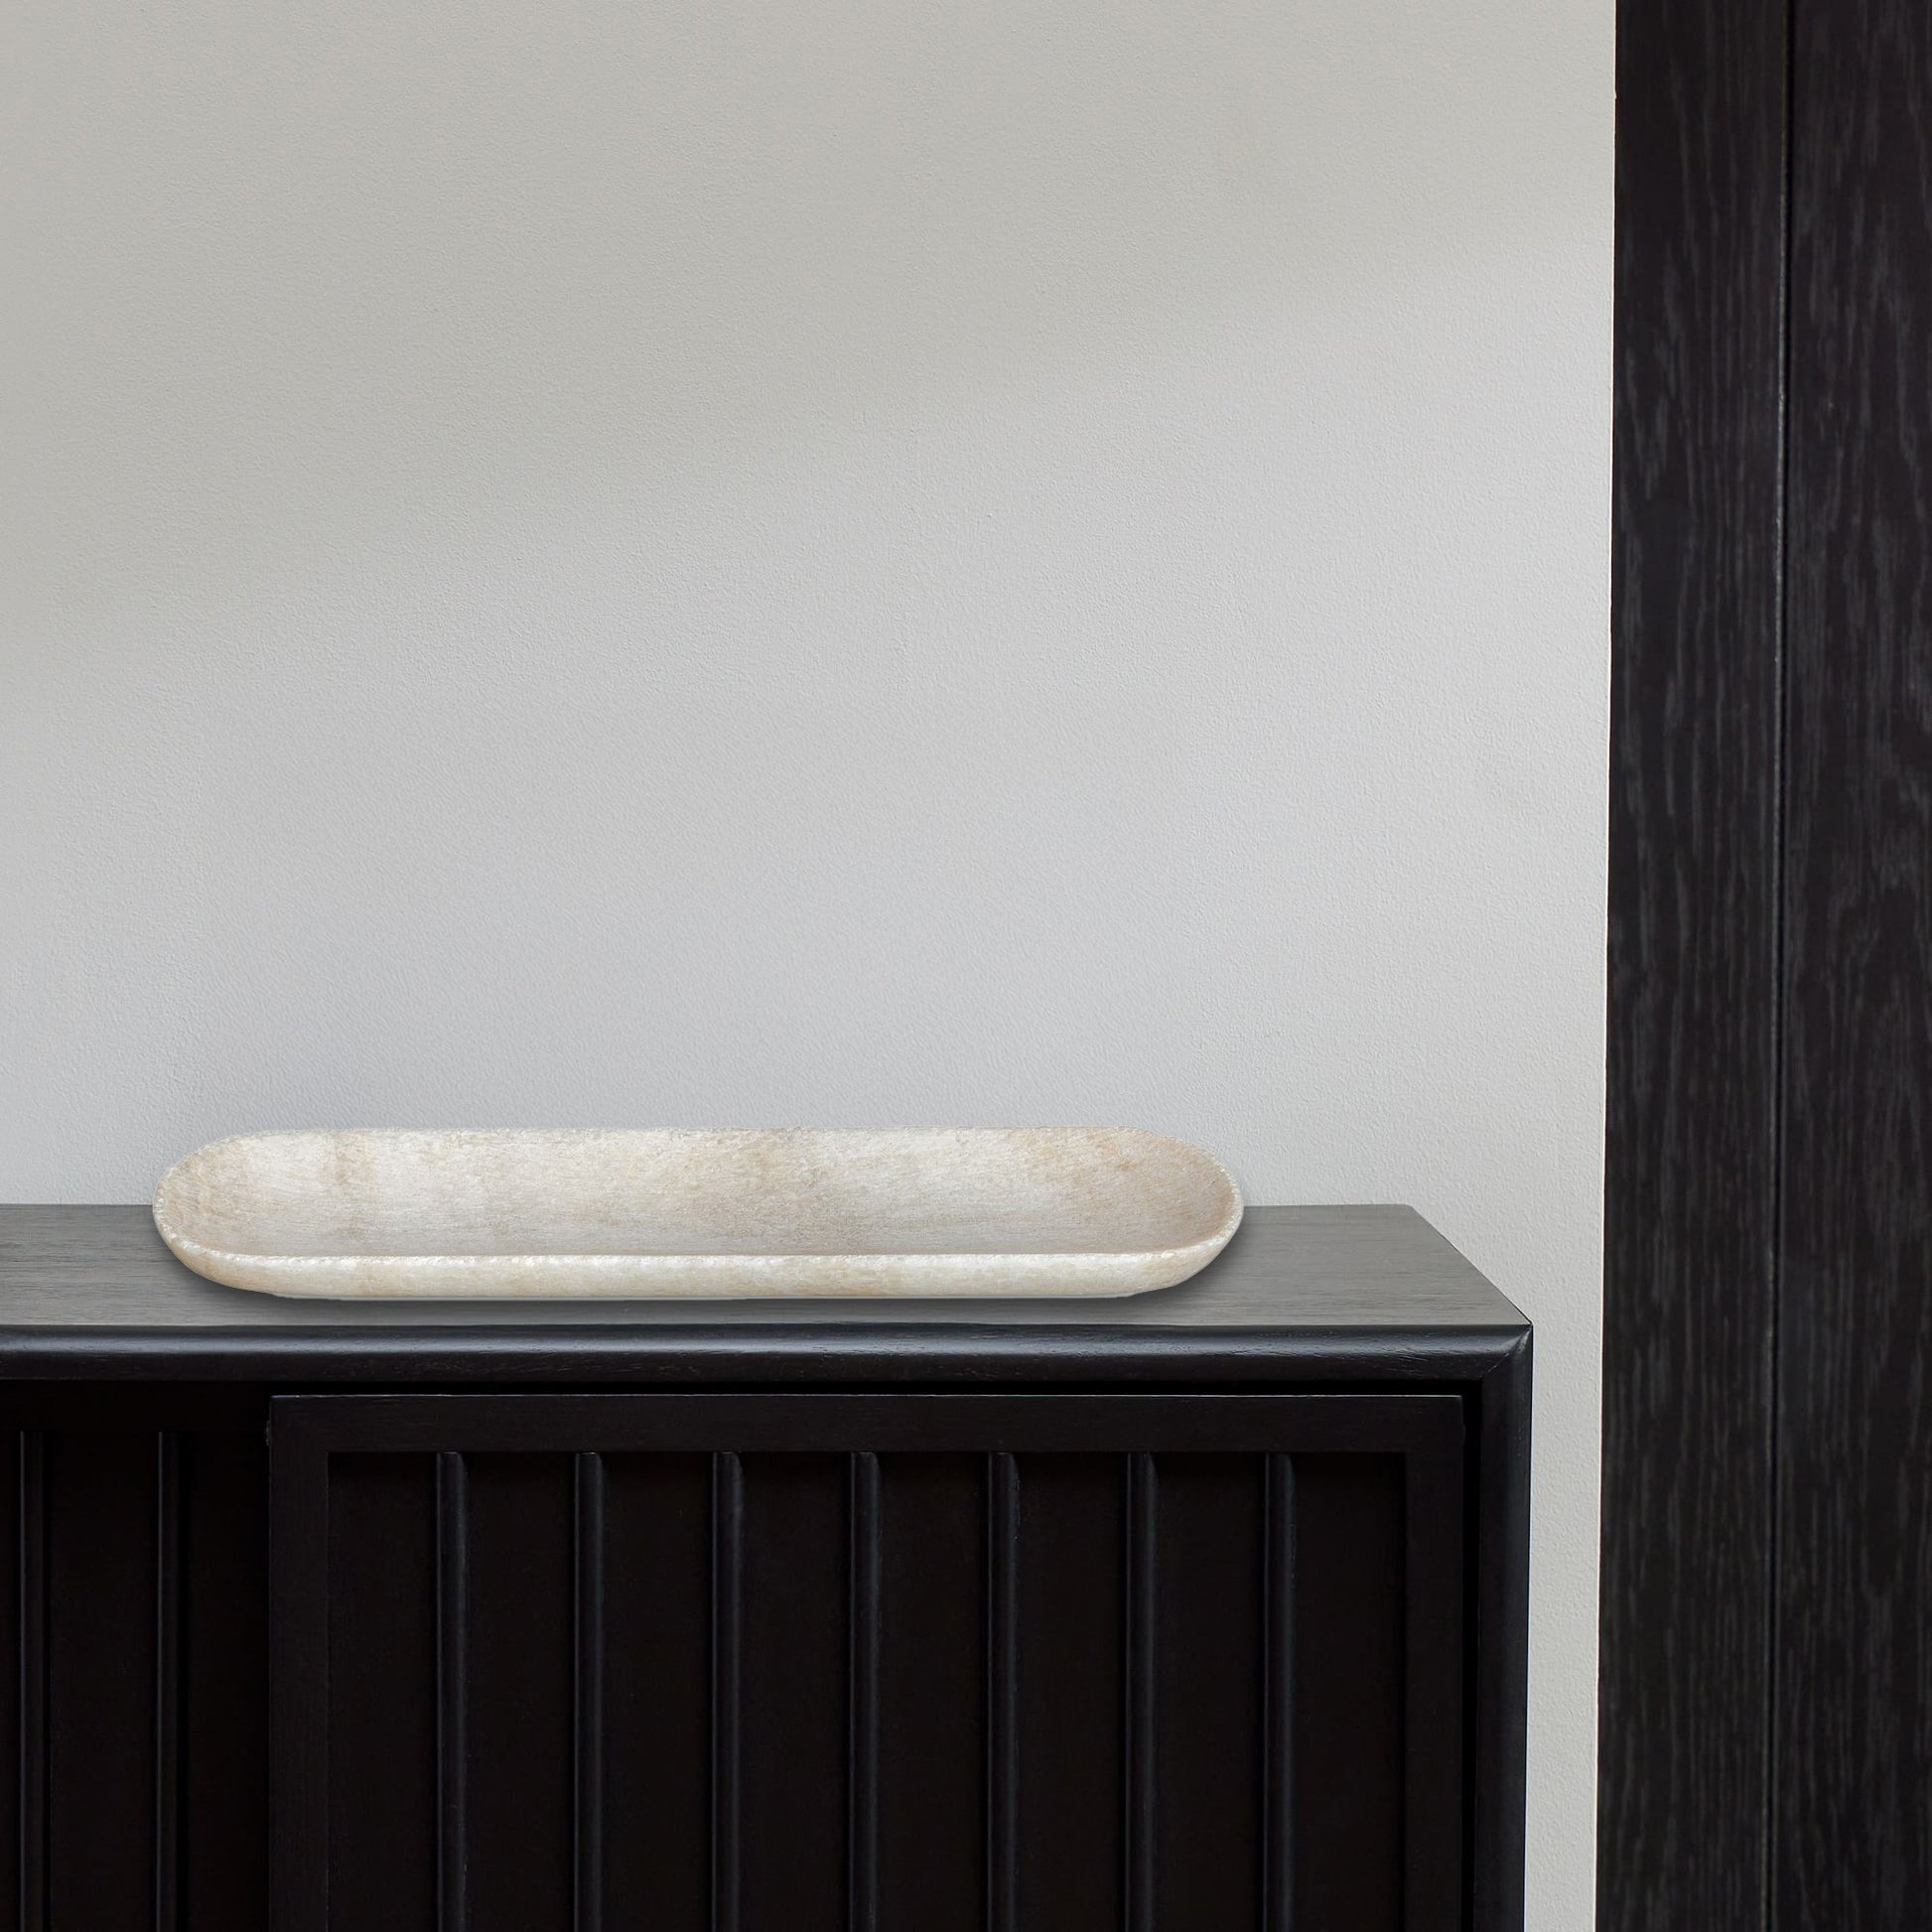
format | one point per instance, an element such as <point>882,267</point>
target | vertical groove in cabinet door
<point>1073,1743</point>
<point>1279,1696</point>
<point>383,1668</point>
<point>1346,1713</point>
<point>587,1662</point>
<point>1209,1669</point>
<point>100,1691</point>
<point>794,1635</point>
<point>31,1612</point>
<point>932,1694</point>
<point>1003,1693</point>
<point>656,1721</point>
<point>222,1865</point>
<point>862,1767</point>
<point>1138,1690</point>
<point>167,1681</point>
<point>452,1692</point>
<point>518,1723</point>
<point>727,1605</point>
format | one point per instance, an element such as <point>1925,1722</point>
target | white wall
<point>752,561</point>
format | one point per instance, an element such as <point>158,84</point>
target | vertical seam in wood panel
<point>1278,1696</point>
<point>588,1672</point>
<point>726,1583</point>
<point>32,1610</point>
<point>1138,1652</point>
<point>862,1744</point>
<point>452,1689</point>
<point>1002,1693</point>
<point>167,1681</point>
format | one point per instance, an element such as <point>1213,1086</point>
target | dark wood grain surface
<point>86,1268</point>
<point>89,1294</point>
<point>1854,1707</point>
<point>1692,965</point>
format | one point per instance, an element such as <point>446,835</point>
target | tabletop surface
<point>90,1270</point>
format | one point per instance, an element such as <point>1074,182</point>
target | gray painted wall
<point>849,561</point>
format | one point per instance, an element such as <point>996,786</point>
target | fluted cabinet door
<point>870,1663</point>
<point>135,1633</point>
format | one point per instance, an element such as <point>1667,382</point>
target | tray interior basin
<point>687,1212</point>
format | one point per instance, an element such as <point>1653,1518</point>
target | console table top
<point>93,1290</point>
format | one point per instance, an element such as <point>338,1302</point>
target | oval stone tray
<point>984,1211</point>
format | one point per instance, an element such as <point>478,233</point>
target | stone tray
<point>662,1213</point>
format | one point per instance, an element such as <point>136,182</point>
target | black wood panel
<point>1499,1598</point>
<point>792,1695</point>
<point>30,1633</point>
<point>14,1579</point>
<point>1280,1554</point>
<point>520,1725</point>
<point>308,1427</point>
<point>1002,1692</point>
<point>1210,1717</point>
<point>726,1577</point>
<point>656,1671</point>
<point>169,1607</point>
<point>1140,1828</point>
<point>865,1645</point>
<point>450,1696</point>
<point>1071,1672</point>
<point>381,1601</point>
<point>1433,1821</point>
<point>1691,1183</point>
<point>931,1693</point>
<point>1063,1684</point>
<point>135,1623</point>
<point>589,1492</point>
<point>1853,1714</point>
<point>1348,1667</point>
<point>100,1677</point>
<point>221,1702</point>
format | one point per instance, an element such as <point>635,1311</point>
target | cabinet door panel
<point>518,1644</point>
<point>794,1825</point>
<point>927,1713</point>
<point>1071,1618</point>
<point>1209,1624</point>
<point>103,1567</point>
<point>380,1615</point>
<point>868,1662</point>
<point>645,1593</point>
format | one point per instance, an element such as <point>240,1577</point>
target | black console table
<point>1196,1611</point>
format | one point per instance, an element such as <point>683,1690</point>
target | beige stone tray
<point>806,1211</point>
